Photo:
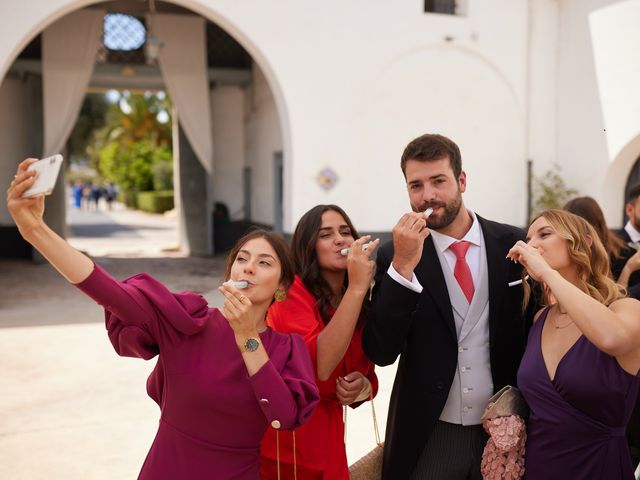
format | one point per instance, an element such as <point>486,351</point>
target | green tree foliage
<point>134,148</point>
<point>550,191</point>
<point>92,117</point>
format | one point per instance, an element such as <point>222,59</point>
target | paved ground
<point>69,407</point>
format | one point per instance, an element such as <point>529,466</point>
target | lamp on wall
<point>153,44</point>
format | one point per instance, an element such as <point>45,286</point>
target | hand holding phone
<point>47,171</point>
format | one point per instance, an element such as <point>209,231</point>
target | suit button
<point>440,385</point>
<point>275,424</point>
<point>264,401</point>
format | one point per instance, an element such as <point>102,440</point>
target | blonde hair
<point>592,261</point>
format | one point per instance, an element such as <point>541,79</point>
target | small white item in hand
<point>517,282</point>
<point>345,251</point>
<point>238,284</point>
<point>634,245</point>
<point>427,213</point>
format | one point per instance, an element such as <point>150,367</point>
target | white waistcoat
<point>472,384</point>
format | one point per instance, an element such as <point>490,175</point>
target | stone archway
<point>622,172</point>
<point>39,14</point>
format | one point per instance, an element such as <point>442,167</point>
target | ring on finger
<point>242,298</point>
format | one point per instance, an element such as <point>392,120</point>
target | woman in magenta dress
<point>222,376</point>
<point>579,373</point>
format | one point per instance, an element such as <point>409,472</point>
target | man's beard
<point>446,216</point>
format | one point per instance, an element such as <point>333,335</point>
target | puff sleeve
<point>141,315</point>
<point>285,386</point>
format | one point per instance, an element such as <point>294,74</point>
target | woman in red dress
<point>327,305</point>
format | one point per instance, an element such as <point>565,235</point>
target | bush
<point>155,202</point>
<point>550,191</point>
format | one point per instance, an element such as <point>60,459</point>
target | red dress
<point>319,443</point>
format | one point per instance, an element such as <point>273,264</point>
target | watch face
<point>251,345</point>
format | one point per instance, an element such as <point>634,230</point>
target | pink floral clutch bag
<point>504,420</point>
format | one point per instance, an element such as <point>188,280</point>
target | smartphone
<point>47,171</point>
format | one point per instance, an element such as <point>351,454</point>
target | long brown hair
<point>592,260</point>
<point>588,208</point>
<point>303,245</point>
<point>279,245</point>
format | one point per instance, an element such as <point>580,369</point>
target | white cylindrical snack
<point>427,213</point>
<point>345,251</point>
<point>238,284</point>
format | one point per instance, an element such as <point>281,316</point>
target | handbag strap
<point>295,467</point>
<point>376,431</point>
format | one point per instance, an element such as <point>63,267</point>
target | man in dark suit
<point>450,304</point>
<point>630,234</point>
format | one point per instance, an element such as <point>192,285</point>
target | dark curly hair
<point>303,245</point>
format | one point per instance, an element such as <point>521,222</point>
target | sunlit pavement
<point>69,407</point>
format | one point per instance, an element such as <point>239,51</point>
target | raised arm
<point>614,329</point>
<point>394,302</point>
<point>27,213</point>
<point>390,315</point>
<point>334,340</point>
<point>630,267</point>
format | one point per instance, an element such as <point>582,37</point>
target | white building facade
<point>340,87</point>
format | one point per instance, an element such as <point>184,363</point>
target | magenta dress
<point>576,427</point>
<point>213,414</point>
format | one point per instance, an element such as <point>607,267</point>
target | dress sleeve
<point>288,396</point>
<point>143,317</point>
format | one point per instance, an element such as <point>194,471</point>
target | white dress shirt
<point>633,233</point>
<point>442,243</point>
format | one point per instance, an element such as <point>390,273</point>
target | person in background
<point>630,234</point>
<point>77,189</point>
<point>580,371</point>
<point>588,208</point>
<point>328,305</point>
<point>222,375</point>
<point>109,194</point>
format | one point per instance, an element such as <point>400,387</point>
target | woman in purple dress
<point>579,373</point>
<point>222,377</point>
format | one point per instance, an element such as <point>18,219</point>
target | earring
<point>280,295</point>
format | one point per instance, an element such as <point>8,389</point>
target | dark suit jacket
<point>420,326</point>
<point>618,264</point>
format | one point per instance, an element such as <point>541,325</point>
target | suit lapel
<point>497,266</point>
<point>430,276</point>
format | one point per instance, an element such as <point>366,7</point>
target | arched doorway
<point>241,93</point>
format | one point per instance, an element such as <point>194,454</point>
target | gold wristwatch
<point>251,344</point>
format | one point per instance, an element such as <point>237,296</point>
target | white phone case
<point>47,172</point>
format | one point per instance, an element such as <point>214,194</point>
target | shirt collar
<point>632,231</point>
<point>442,242</point>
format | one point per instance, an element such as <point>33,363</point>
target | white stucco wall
<point>14,133</point>
<point>616,47</point>
<point>263,139</point>
<point>542,80</point>
<point>227,118</point>
<point>329,63</point>
<point>352,82</point>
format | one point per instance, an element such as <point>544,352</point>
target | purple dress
<point>576,427</point>
<point>213,414</point>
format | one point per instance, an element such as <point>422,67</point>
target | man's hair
<point>633,193</point>
<point>430,147</point>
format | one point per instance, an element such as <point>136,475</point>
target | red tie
<point>461,271</point>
